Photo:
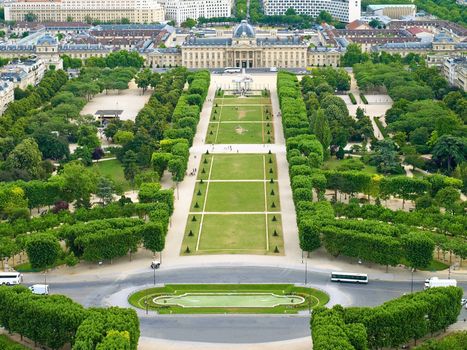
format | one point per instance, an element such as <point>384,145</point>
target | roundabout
<point>228,298</point>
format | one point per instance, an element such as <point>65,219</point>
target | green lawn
<point>333,164</point>
<point>233,100</point>
<point>235,196</point>
<point>8,344</point>
<point>114,170</point>
<point>236,186</point>
<point>240,133</point>
<point>239,113</point>
<point>312,298</point>
<point>241,120</point>
<point>233,233</point>
<point>239,167</point>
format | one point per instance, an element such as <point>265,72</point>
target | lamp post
<point>306,271</point>
<point>449,272</point>
<point>154,270</point>
<point>411,285</point>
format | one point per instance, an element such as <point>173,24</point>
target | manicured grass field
<point>114,170</point>
<point>333,164</point>
<point>232,216</point>
<point>239,167</point>
<point>233,100</point>
<point>233,233</point>
<point>239,113</point>
<point>220,297</point>
<point>236,122</point>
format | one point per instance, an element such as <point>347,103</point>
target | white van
<point>41,289</point>
<point>273,69</point>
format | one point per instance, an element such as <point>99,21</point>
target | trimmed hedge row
<point>55,320</point>
<point>352,98</point>
<point>388,325</point>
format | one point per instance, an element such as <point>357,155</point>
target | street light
<point>306,270</point>
<point>154,269</point>
<point>411,286</point>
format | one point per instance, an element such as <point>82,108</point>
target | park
<point>235,206</point>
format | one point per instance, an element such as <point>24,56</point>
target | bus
<point>349,277</point>
<point>232,70</point>
<point>10,278</point>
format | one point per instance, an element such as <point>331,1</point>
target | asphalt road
<point>232,328</point>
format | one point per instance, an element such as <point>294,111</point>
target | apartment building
<point>343,10</point>
<point>23,73</point>
<point>7,94</point>
<point>455,71</point>
<point>180,10</point>
<point>136,11</point>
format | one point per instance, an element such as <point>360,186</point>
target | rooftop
<point>244,29</point>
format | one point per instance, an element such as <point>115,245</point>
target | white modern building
<point>180,10</point>
<point>343,10</point>
<point>136,11</point>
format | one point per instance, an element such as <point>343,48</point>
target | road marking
<point>204,205</point>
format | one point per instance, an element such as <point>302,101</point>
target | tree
<point>105,189</point>
<point>122,137</point>
<point>153,236</point>
<point>290,12</point>
<point>51,145</point>
<point>418,248</point>
<point>449,151</point>
<point>43,250</point>
<point>26,157</point>
<point>30,17</point>
<point>353,55</point>
<point>143,79</point>
<point>189,23</point>
<point>448,197</point>
<point>321,129</point>
<point>309,235</point>
<point>77,183</point>
<point>87,136</point>
<point>130,168</point>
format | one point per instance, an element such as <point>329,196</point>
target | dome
<point>244,30</point>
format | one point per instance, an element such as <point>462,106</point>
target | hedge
<point>364,100</point>
<point>388,325</point>
<point>352,98</point>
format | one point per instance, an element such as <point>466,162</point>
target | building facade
<point>244,49</point>
<point>394,11</point>
<point>136,11</point>
<point>455,72</point>
<point>7,94</point>
<point>343,10</point>
<point>180,10</point>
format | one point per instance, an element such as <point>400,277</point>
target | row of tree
<point>55,320</point>
<point>389,325</point>
<point>174,148</point>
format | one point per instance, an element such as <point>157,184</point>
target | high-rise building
<point>343,10</point>
<point>180,10</point>
<point>136,11</point>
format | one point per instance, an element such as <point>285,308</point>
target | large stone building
<point>343,10</point>
<point>180,10</point>
<point>245,50</point>
<point>136,11</point>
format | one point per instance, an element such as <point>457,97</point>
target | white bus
<point>349,277</point>
<point>10,278</point>
<point>232,70</point>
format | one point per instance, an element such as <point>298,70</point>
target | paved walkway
<point>185,189</point>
